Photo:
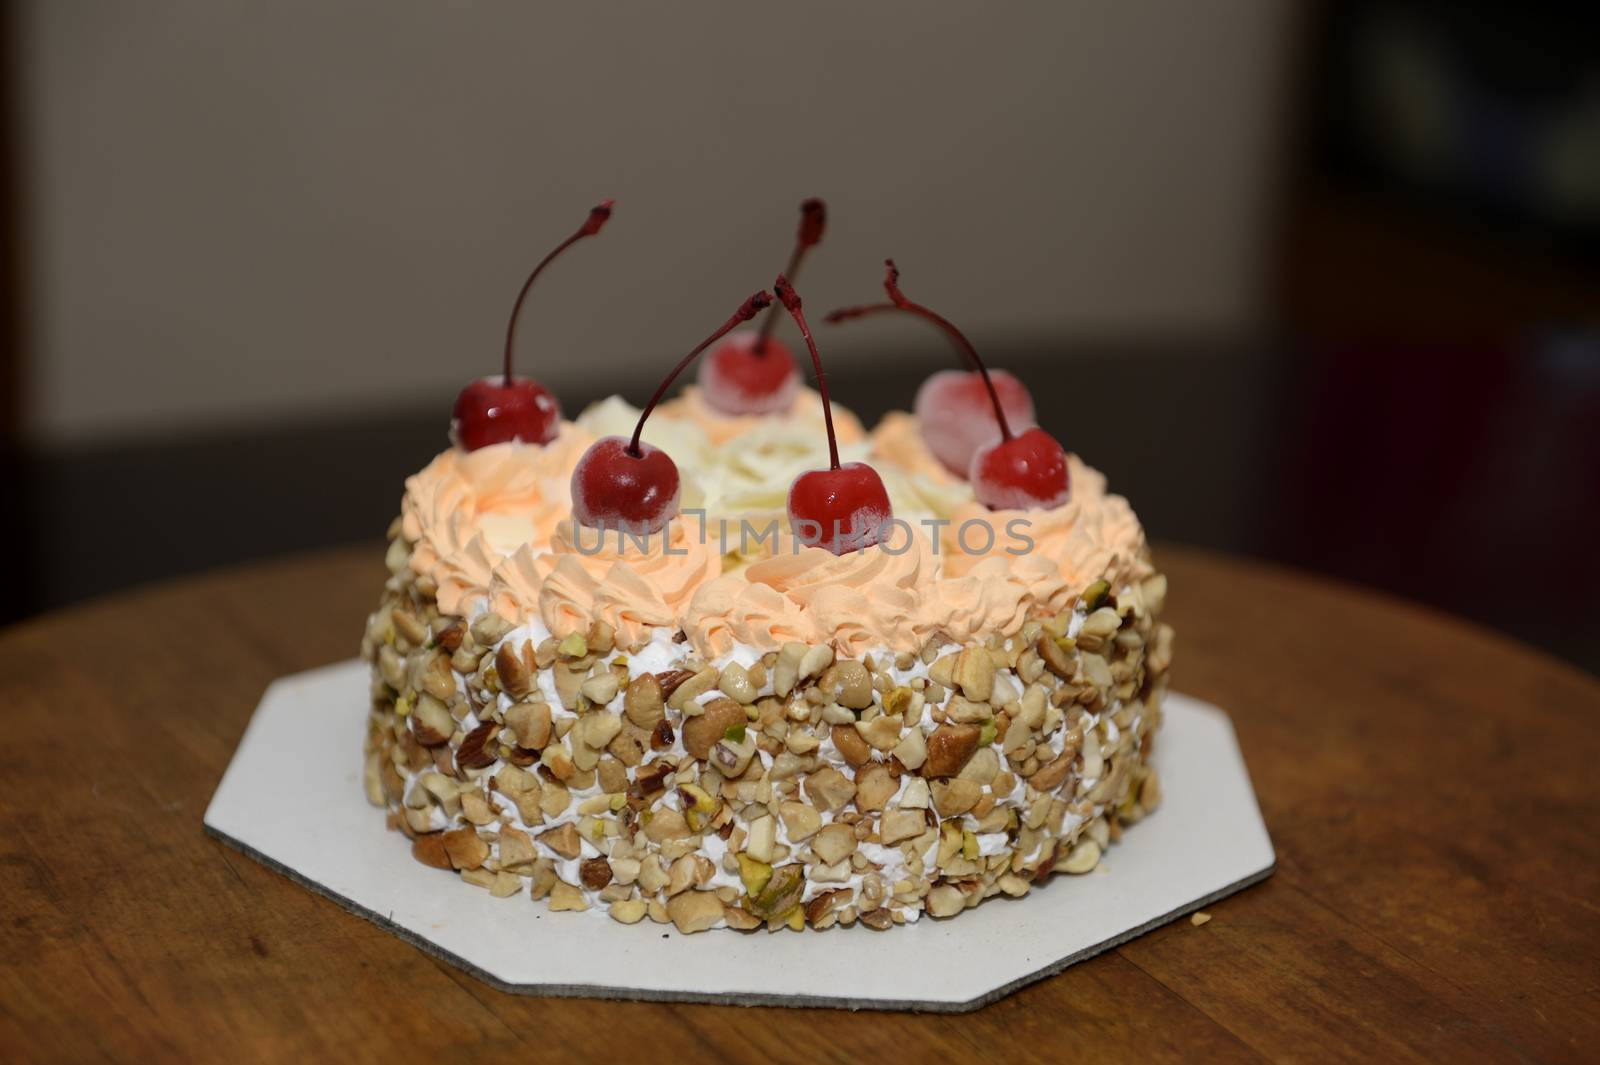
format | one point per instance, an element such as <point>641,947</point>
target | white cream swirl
<point>720,428</point>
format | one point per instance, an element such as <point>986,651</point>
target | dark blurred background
<point>1318,284</point>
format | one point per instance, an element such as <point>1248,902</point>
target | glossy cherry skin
<point>957,416</point>
<point>615,489</point>
<point>1027,472</point>
<point>737,379</point>
<point>488,411</point>
<point>840,510</point>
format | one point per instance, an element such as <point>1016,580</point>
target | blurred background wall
<point>1312,282</point>
<point>251,211</point>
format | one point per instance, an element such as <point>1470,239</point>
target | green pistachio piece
<point>1095,595</point>
<point>781,893</point>
<point>755,874</point>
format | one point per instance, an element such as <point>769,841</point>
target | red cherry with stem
<point>955,413</point>
<point>631,485</point>
<point>953,406</point>
<point>738,379</point>
<point>488,411</point>
<point>813,221</point>
<point>618,485</point>
<point>1024,472</point>
<point>493,410</point>
<point>842,508</point>
<point>752,373</point>
<point>1015,472</point>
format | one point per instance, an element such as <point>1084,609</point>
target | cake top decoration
<point>630,485</point>
<point>1024,470</point>
<point>505,407</point>
<point>753,373</point>
<point>845,507</point>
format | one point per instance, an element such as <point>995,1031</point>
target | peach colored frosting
<point>586,574</point>
<point>897,440</point>
<point>493,529</point>
<point>730,610</point>
<point>889,595</point>
<point>636,585</point>
<point>866,598</point>
<point>996,595</point>
<point>467,510</point>
<point>918,483</point>
<point>1093,536</point>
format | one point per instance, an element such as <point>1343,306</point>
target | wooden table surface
<point>1430,787</point>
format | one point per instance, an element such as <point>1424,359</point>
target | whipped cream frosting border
<point>492,529</point>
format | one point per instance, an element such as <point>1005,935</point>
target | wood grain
<point>1430,788</point>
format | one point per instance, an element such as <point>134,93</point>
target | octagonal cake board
<point>300,809</point>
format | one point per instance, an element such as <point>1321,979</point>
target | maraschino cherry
<point>1023,471</point>
<point>844,507</point>
<point>952,406</point>
<point>493,410</point>
<point>753,373</point>
<point>630,485</point>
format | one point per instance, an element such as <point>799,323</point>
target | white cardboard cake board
<point>299,808</point>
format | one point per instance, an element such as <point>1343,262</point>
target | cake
<point>721,721</point>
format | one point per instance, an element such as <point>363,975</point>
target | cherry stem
<point>791,302</point>
<point>591,226</point>
<point>891,285</point>
<point>813,219</point>
<point>846,314</point>
<point>747,310</point>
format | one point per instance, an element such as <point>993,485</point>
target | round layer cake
<point>717,726</point>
